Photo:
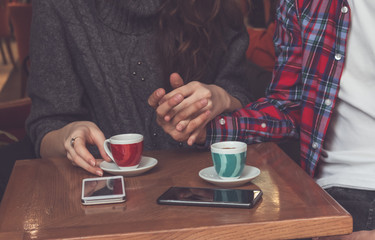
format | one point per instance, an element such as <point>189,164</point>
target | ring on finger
<point>72,140</point>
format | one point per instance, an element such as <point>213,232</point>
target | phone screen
<point>243,198</point>
<point>102,187</point>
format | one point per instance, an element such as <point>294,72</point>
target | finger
<point>69,156</point>
<point>185,90</point>
<point>167,106</point>
<point>176,80</point>
<point>191,140</point>
<point>98,162</point>
<point>82,151</point>
<point>188,113</point>
<point>155,97</point>
<point>182,125</point>
<point>192,93</point>
<point>197,137</point>
<point>197,125</point>
<point>98,138</point>
<point>77,160</point>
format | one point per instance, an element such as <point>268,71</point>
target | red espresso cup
<point>125,150</point>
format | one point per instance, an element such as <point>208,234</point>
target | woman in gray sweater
<point>94,65</point>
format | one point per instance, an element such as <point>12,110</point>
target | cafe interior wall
<point>14,104</point>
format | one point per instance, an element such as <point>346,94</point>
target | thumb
<point>176,80</point>
<point>98,138</point>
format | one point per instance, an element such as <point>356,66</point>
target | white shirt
<point>348,157</point>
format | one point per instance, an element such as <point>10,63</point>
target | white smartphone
<point>103,190</point>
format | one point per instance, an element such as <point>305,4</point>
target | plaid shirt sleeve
<point>277,116</point>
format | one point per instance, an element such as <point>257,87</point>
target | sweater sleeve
<point>53,86</point>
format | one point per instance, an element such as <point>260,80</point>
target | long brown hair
<point>189,33</point>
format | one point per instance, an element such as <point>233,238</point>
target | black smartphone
<point>211,197</point>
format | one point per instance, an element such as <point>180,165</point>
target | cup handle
<point>107,150</point>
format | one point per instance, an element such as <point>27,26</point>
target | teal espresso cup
<point>229,158</point>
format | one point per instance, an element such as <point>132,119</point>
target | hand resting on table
<point>58,143</point>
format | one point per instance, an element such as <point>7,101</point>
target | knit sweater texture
<point>97,61</point>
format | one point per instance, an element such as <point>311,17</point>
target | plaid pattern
<point>310,41</point>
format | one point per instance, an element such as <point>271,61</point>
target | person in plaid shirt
<point>321,93</point>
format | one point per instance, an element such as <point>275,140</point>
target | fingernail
<point>159,92</point>
<point>99,173</point>
<point>93,163</point>
<point>204,102</point>
<point>179,97</point>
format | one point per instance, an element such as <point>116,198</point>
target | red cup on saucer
<point>125,150</point>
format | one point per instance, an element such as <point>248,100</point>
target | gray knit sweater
<point>96,61</point>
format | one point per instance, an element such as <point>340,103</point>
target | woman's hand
<point>184,112</point>
<point>71,140</point>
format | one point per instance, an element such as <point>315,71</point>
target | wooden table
<point>42,201</point>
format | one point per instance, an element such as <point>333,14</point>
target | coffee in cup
<point>229,158</point>
<point>125,150</point>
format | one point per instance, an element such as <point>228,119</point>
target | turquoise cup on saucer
<point>229,158</point>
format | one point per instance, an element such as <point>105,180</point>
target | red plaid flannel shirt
<point>310,41</point>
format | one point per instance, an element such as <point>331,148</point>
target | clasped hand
<point>184,112</point>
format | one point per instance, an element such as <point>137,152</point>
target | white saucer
<point>146,164</point>
<point>209,174</point>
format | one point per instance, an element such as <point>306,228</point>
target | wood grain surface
<point>42,201</point>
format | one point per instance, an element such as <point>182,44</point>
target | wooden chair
<point>13,115</point>
<point>5,32</point>
<point>20,16</point>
